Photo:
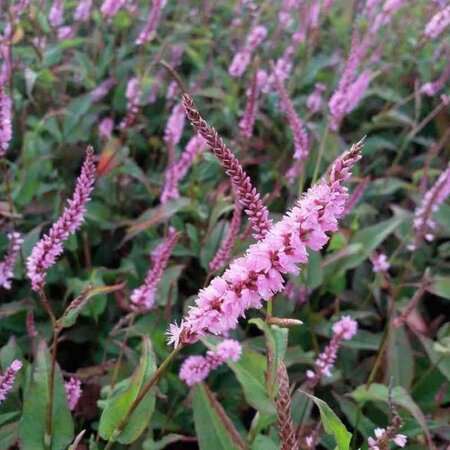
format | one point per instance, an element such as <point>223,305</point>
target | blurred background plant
<point>288,85</point>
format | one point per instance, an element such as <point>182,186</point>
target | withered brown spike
<point>284,322</point>
<point>249,197</point>
<point>286,430</point>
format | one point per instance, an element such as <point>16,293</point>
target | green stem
<point>320,155</point>
<point>159,371</point>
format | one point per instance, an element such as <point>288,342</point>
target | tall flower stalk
<point>47,250</point>
<point>258,275</point>
<point>247,194</point>
<point>149,29</point>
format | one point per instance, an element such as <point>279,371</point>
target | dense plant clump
<point>254,250</point>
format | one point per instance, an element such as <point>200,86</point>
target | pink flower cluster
<point>258,275</point>
<point>152,22</point>
<point>438,23</point>
<point>380,434</point>
<point>314,101</point>
<point>242,58</point>
<point>380,263</point>
<point>433,87</point>
<point>344,329</point>
<point>143,297</point>
<point>73,392</point>
<point>5,121</point>
<point>102,90</point>
<point>83,10</point>
<point>45,252</point>
<point>178,169</point>
<point>55,16</point>
<point>7,265</point>
<point>195,369</point>
<point>301,141</point>
<point>424,224</point>
<point>132,94</point>
<point>175,125</point>
<point>105,128</point>
<point>7,379</point>
<point>248,119</point>
<point>224,251</point>
<point>110,8</point>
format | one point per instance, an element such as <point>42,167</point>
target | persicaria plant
<point>224,225</point>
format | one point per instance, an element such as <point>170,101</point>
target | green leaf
<point>32,423</point>
<point>332,424</point>
<point>213,428</point>
<point>250,371</point>
<point>120,401</point>
<point>380,392</point>
<point>441,361</point>
<point>262,442</point>
<point>365,241</point>
<point>400,358</point>
<point>276,343</point>
<point>440,285</point>
<point>8,435</point>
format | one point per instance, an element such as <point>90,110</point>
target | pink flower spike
<point>67,32</point>
<point>248,119</point>
<point>380,263</point>
<point>83,10</point>
<point>102,90</point>
<point>346,327</point>
<point>132,94</point>
<point>7,379</point>
<point>149,29</point>
<point>110,8</point>
<point>7,265</point>
<point>73,392</point>
<point>438,23</point>
<point>105,128</point>
<point>225,249</point>
<point>424,225</point>
<point>258,275</point>
<point>5,121</point>
<point>195,369</point>
<point>175,125</point>
<point>55,16</point>
<point>143,297</point>
<point>47,250</point>
<point>433,87</point>
<point>314,101</point>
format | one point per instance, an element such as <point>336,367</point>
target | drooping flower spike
<point>195,369</point>
<point>258,275</point>
<point>47,250</point>
<point>438,23</point>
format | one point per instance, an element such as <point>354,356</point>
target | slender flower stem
<point>51,389</point>
<point>320,154</point>
<point>159,371</point>
<point>121,353</point>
